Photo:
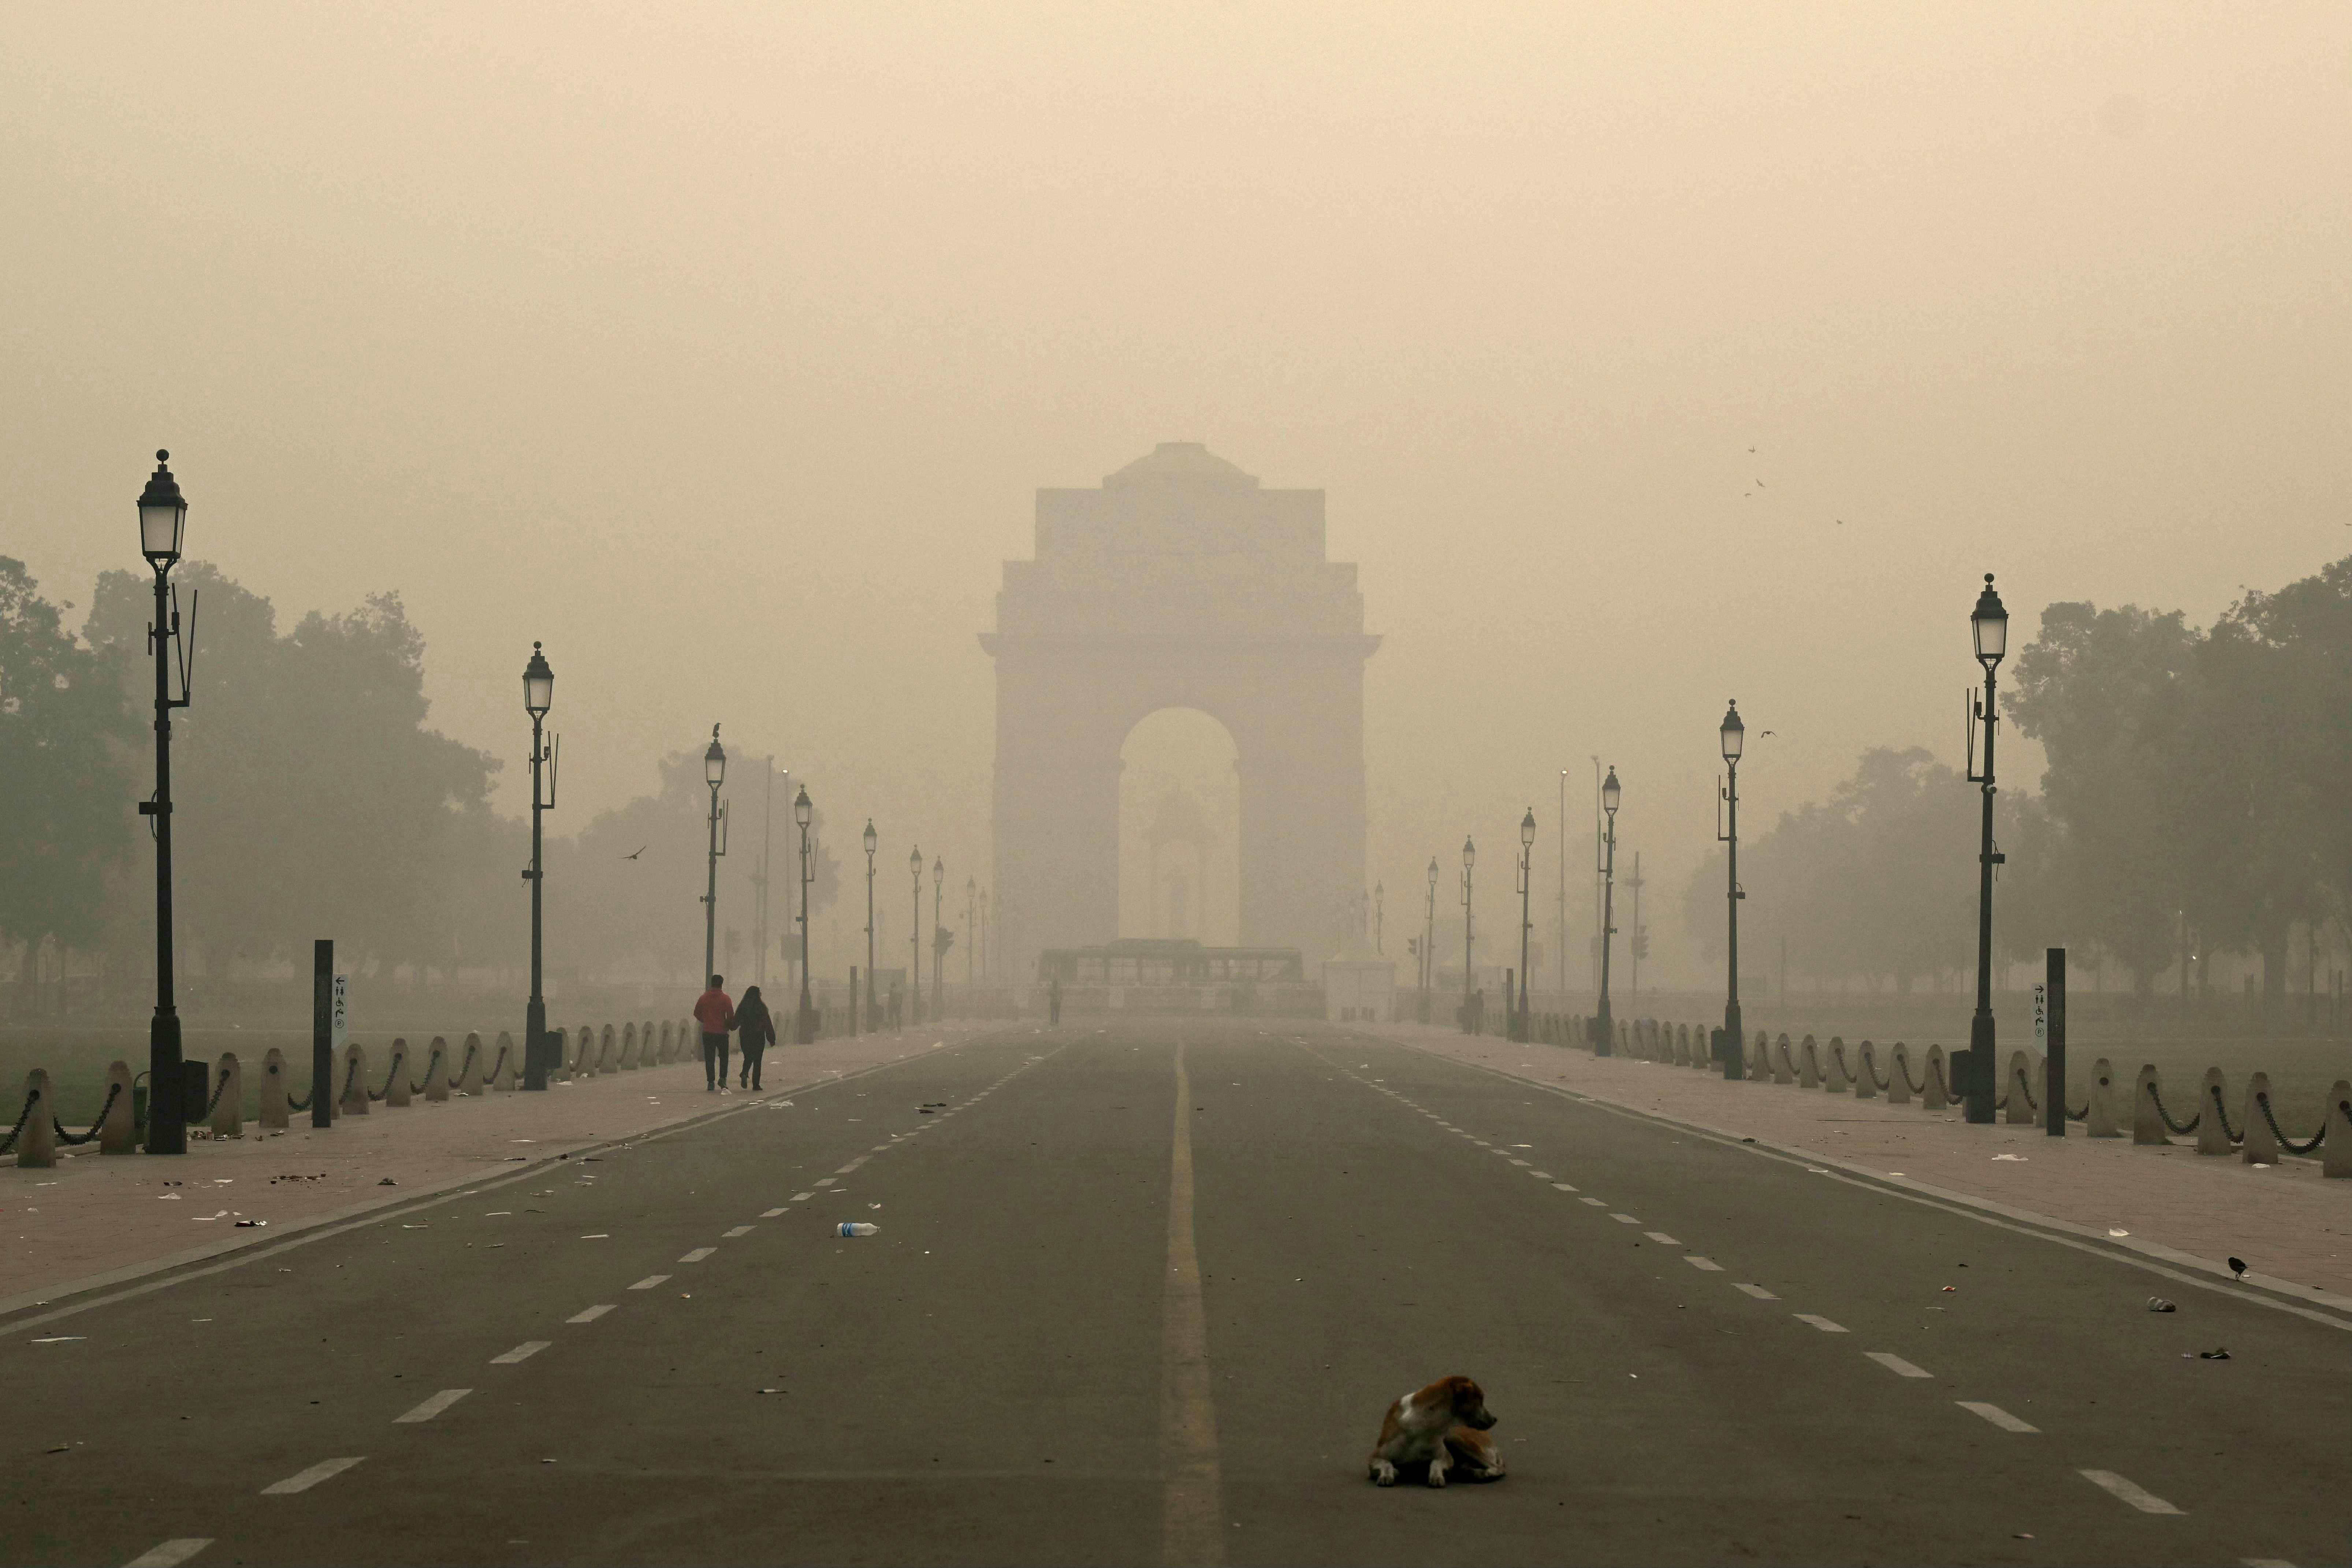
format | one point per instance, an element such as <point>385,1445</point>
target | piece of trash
<point>2158,1304</point>
<point>2261,1165</point>
<point>416,1227</point>
<point>61,1448</point>
<point>860,1227</point>
<point>771,1391</point>
<point>2113,1231</point>
<point>167,1197</point>
<point>1748,1140</point>
<point>598,1236</point>
<point>251,1224</point>
<point>2022,1535</point>
<point>1815,1170</point>
<point>59,1339</point>
<point>1949,1288</point>
<point>2217,1353</point>
<point>547,1461</point>
<point>2019,1158</point>
<point>387,1182</point>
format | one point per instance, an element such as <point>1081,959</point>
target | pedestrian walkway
<point>2292,1226</point>
<point>96,1219</point>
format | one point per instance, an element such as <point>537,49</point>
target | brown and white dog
<point>1442,1426</point>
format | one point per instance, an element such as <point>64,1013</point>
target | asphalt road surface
<point>1139,1295</point>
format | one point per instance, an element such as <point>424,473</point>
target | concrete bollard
<point>395,1088</point>
<point>1865,1081</point>
<point>2212,1126</point>
<point>629,1047</point>
<point>2148,1113</point>
<point>436,1071</point>
<point>1784,1070</point>
<point>470,1065</point>
<point>503,1065</point>
<point>2017,1108</point>
<point>1938,1096</point>
<point>2336,1148</point>
<point>1808,1066</point>
<point>1898,1074</point>
<point>661,1052</point>
<point>583,1053</point>
<point>2262,1144</point>
<point>36,1142</point>
<point>274,1109</point>
<point>1759,1066</point>
<point>228,1098</point>
<point>118,1129</point>
<point>2102,1118</point>
<point>646,1057</point>
<point>1837,1080</point>
<point>608,1055</point>
<point>353,1092</point>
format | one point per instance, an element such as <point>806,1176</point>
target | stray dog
<point>1442,1426</point>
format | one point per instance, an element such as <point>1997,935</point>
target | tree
<point>65,771</point>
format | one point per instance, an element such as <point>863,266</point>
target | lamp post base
<point>534,1046</point>
<point>1604,1033</point>
<point>1734,1045</point>
<point>1981,1072</point>
<point>167,1124</point>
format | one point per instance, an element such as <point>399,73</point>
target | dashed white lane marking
<point>2138,1496</point>
<point>303,1480</point>
<point>1897,1365</point>
<point>823,1181</point>
<point>1563,1186</point>
<point>1997,1415</point>
<point>1820,1322</point>
<point>1596,1202</point>
<point>1706,1264</point>
<point>1540,1175</point>
<point>1520,1163</point>
<point>1757,1291</point>
<point>522,1352</point>
<point>432,1407</point>
<point>171,1553</point>
<point>2247,1562</point>
<point>731,1235</point>
<point>649,1281</point>
<point>1662,1238</point>
<point>697,1255</point>
<point>1624,1219</point>
<point>590,1314</point>
<point>770,1214</point>
<point>803,1197</point>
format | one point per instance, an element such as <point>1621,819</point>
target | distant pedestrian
<point>1053,1004</point>
<point>756,1031</point>
<point>716,1013</point>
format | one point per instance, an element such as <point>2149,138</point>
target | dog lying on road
<point>1442,1426</point>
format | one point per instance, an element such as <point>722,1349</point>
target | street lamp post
<point>1989,623</point>
<point>1380,916</point>
<point>538,697</point>
<point>1526,922</point>
<point>1429,941</point>
<point>982,937</point>
<point>1733,736</point>
<point>940,953</point>
<point>1605,1028</point>
<point>714,773</point>
<point>162,521</point>
<point>1469,860</point>
<point>802,811</point>
<point>970,900</point>
<point>871,840</point>
<point>915,939</point>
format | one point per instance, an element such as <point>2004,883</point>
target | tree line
<point>2193,803</point>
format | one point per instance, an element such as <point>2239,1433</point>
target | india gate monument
<point>1180,582</point>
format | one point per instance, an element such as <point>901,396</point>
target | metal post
<point>323,1032</point>
<point>807,1031</point>
<point>869,928</point>
<point>2053,1076</point>
<point>1735,1040</point>
<point>1467,934</point>
<point>915,944</point>
<point>1604,1030</point>
<point>938,960</point>
<point>1429,945</point>
<point>1982,1069</point>
<point>1526,925</point>
<point>710,896</point>
<point>167,1131</point>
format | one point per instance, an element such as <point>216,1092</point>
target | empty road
<point>1140,1294</point>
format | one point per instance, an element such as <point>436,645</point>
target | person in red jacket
<point>716,1013</point>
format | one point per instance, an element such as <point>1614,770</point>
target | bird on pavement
<point>2238,1267</point>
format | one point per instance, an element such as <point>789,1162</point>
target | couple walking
<point>749,1019</point>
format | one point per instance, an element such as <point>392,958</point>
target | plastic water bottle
<point>847,1227</point>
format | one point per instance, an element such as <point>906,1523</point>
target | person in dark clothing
<point>716,1013</point>
<point>755,1032</point>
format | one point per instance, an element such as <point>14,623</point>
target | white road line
<point>432,1407</point>
<point>522,1352</point>
<point>1596,1202</point>
<point>1662,1238</point>
<point>171,1553</point>
<point>770,1214</point>
<point>649,1281</point>
<point>731,1235</point>
<point>1897,1365</point>
<point>2139,1498</point>
<point>697,1255</point>
<point>1708,1265</point>
<point>1520,1163</point>
<point>1540,1175</point>
<point>303,1480</point>
<point>1759,1291</point>
<point>825,1181</point>
<point>590,1314</point>
<point>1996,1414</point>
<point>1563,1186</point>
<point>1820,1322</point>
<point>1624,1219</point>
<point>800,1198</point>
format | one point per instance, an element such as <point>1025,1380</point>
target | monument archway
<point>1180,582</point>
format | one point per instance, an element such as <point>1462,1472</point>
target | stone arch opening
<point>1180,829</point>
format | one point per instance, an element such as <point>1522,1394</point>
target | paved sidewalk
<point>96,1220</point>
<point>2288,1222</point>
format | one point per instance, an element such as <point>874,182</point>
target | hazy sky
<point>723,347</point>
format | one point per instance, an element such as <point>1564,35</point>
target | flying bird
<point>1760,484</point>
<point>1772,732</point>
<point>640,849</point>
